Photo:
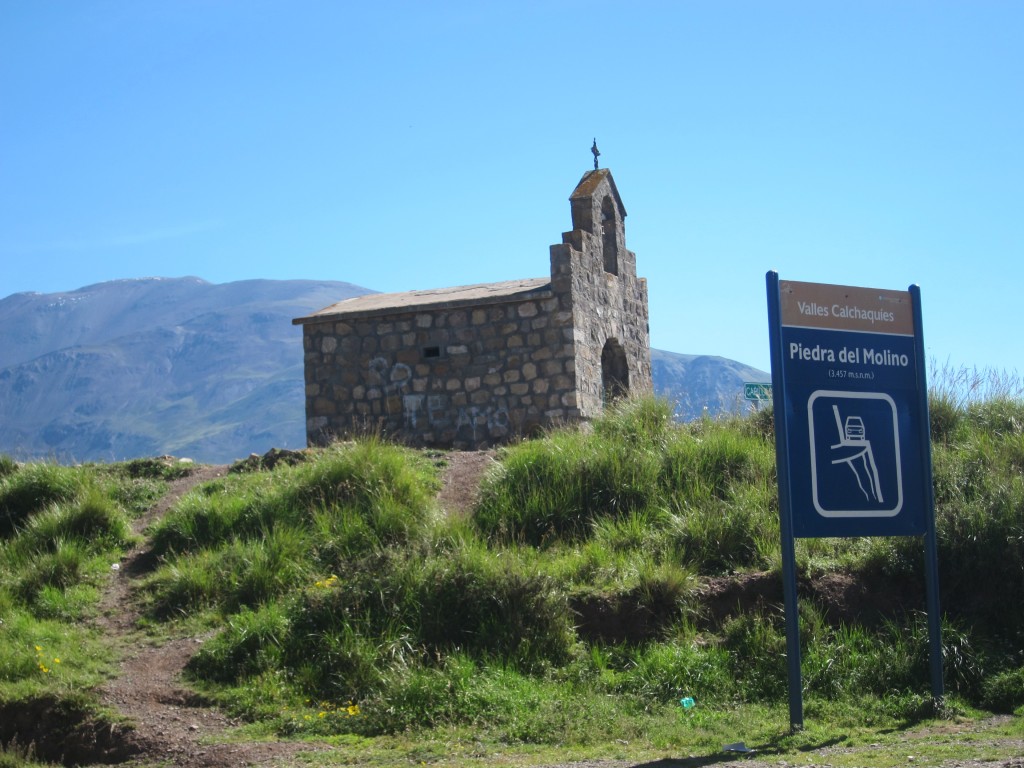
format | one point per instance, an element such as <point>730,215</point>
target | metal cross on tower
<point>596,152</point>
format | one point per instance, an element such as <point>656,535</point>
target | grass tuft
<point>34,488</point>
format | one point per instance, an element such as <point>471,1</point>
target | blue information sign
<point>851,433</point>
<point>850,382</point>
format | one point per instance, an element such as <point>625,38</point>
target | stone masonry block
<point>528,309</point>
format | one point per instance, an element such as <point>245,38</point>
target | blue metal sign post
<point>852,434</point>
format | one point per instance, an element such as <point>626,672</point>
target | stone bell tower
<point>594,275</point>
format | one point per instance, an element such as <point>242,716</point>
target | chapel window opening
<point>610,235</point>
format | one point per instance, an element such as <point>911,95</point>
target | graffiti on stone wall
<point>494,417</point>
<point>421,411</point>
<point>431,410</point>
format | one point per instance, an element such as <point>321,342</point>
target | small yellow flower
<point>321,714</point>
<point>56,660</point>
<point>39,648</point>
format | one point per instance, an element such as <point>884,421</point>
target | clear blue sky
<point>402,145</point>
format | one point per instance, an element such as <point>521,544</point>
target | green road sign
<point>753,390</point>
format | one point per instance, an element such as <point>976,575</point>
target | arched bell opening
<point>610,236</point>
<point>614,372</point>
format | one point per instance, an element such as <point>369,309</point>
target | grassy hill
<point>603,575</point>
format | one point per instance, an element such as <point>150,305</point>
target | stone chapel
<point>478,365</point>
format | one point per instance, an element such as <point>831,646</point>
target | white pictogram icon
<point>856,467</point>
<point>854,450</point>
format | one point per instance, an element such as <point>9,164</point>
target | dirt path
<point>460,483</point>
<point>171,725</point>
<point>118,611</point>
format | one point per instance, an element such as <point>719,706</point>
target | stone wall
<point>459,377</point>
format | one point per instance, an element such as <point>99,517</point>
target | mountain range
<point>180,366</point>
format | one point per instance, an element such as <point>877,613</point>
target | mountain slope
<point>699,385</point>
<point>144,367</point>
<point>180,366</point>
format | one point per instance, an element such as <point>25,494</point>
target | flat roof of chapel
<point>481,294</point>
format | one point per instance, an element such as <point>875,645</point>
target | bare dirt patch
<point>460,483</point>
